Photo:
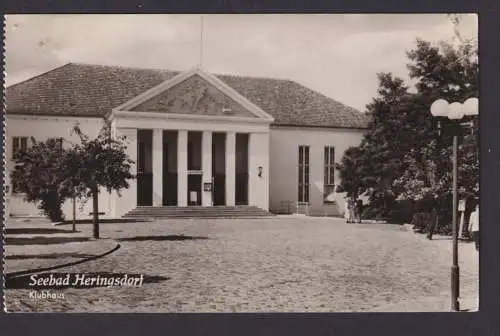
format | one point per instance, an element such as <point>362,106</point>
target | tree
<point>99,163</point>
<point>402,156</point>
<point>372,166</point>
<point>39,177</point>
<point>350,172</point>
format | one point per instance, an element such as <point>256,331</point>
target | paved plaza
<point>282,264</point>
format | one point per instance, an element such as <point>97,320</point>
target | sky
<point>338,55</point>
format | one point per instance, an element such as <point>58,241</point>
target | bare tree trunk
<point>95,201</point>
<point>74,214</point>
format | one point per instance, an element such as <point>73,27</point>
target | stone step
<point>197,212</point>
<point>191,214</point>
<point>144,217</point>
<point>211,208</point>
<point>131,214</point>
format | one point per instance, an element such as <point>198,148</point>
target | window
<point>329,178</point>
<point>18,144</point>
<point>303,174</point>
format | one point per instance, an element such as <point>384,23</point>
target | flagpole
<point>201,41</point>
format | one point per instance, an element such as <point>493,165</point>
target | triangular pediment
<point>195,93</point>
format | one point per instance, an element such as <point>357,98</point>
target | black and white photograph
<point>241,163</point>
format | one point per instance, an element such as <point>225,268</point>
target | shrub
<point>51,204</point>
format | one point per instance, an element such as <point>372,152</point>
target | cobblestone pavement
<point>289,264</point>
<point>32,255</point>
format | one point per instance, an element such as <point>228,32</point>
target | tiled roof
<point>93,90</point>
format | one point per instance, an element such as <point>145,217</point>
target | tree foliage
<point>39,175</point>
<point>350,168</point>
<point>449,73</point>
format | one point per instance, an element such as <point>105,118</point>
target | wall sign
<point>207,186</point>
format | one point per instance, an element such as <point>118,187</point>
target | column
<point>230,168</point>
<point>157,167</point>
<point>182,148</point>
<point>206,165</point>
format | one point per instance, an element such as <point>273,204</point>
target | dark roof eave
<point>318,126</point>
<point>49,114</point>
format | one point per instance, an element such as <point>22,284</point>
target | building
<point>198,139</point>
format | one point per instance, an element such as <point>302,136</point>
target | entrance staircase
<point>239,211</point>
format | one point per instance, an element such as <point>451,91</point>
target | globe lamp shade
<point>471,107</point>
<point>456,111</point>
<point>440,108</point>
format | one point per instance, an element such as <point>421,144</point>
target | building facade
<point>197,139</point>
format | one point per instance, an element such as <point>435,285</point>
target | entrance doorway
<point>219,168</point>
<point>194,189</point>
<point>144,168</point>
<point>241,182</point>
<point>170,168</point>
<point>194,173</point>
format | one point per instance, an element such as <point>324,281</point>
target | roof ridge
<point>252,77</point>
<point>125,67</point>
<point>174,71</point>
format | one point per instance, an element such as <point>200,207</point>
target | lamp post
<point>455,112</point>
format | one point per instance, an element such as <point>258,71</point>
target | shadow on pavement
<point>48,256</point>
<point>106,221</point>
<point>36,231</point>
<point>162,238</point>
<point>43,240</point>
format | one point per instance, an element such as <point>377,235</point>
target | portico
<point>195,142</point>
<point>186,168</point>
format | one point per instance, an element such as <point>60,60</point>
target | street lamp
<point>455,112</point>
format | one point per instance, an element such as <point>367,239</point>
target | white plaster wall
<point>43,128</point>
<point>128,198</point>
<point>259,157</point>
<point>284,153</point>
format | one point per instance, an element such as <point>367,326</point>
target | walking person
<point>359,209</point>
<point>474,226</point>
<point>348,210</point>
<point>353,210</point>
<point>432,223</point>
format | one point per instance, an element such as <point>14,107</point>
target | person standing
<point>432,223</point>
<point>359,209</point>
<point>474,226</point>
<point>348,210</point>
<point>352,208</point>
